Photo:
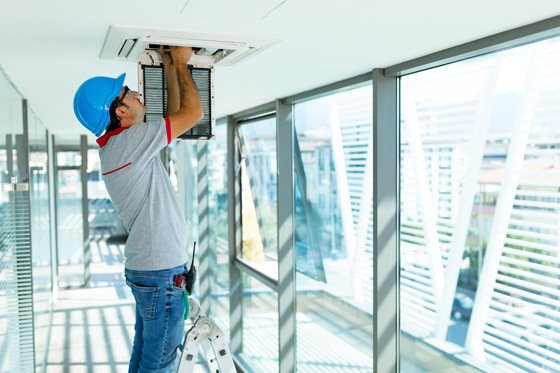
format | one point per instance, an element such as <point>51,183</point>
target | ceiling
<point>48,48</point>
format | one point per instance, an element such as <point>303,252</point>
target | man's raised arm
<point>190,111</point>
<point>173,93</point>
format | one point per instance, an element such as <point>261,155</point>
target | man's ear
<point>121,112</point>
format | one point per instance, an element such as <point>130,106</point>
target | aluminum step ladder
<point>207,334</point>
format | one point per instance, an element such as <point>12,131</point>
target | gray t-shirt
<point>141,191</point>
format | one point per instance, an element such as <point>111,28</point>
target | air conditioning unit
<point>125,43</point>
<point>140,45</point>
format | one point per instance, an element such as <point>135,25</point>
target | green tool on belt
<point>186,296</point>
<point>190,279</point>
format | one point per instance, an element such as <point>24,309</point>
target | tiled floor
<point>93,328</point>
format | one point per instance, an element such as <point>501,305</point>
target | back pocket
<point>146,299</point>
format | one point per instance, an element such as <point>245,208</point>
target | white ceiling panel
<point>242,10</point>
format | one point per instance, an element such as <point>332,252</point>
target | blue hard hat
<point>93,100</point>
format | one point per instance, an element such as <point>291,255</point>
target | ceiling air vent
<point>130,44</point>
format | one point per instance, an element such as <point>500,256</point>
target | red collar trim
<point>102,141</point>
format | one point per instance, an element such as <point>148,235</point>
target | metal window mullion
<point>9,156</point>
<point>386,328</point>
<point>203,225</point>
<point>85,210</point>
<point>257,111</point>
<point>234,237</point>
<point>53,205</point>
<point>52,240</point>
<point>286,239</point>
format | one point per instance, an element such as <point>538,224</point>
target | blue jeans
<point>160,311</point>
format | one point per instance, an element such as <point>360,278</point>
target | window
<point>334,232</point>
<point>259,230</point>
<point>218,227</point>
<point>479,155</point>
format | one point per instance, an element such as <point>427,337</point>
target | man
<point>155,251</point>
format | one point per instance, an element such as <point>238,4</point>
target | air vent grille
<point>125,43</point>
<point>154,94</point>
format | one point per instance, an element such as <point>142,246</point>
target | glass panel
<point>260,325</point>
<point>40,233</point>
<point>103,218</point>
<point>70,228</point>
<point>7,247</point>
<point>480,211</point>
<point>218,228</point>
<point>11,126</point>
<point>309,259</point>
<point>260,247</point>
<point>334,232</point>
<point>68,158</point>
<point>190,175</point>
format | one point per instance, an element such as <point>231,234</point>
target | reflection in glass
<point>334,232</point>
<point>260,325</point>
<point>309,259</point>
<point>187,174</point>
<point>480,207</point>
<point>103,218</point>
<point>40,233</point>
<point>218,228</point>
<point>259,203</point>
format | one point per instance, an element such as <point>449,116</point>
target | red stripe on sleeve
<point>168,129</point>
<point>120,168</point>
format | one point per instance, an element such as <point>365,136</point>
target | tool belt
<point>186,282</point>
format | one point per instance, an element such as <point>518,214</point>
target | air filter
<point>153,92</point>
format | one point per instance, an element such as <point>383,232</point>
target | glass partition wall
<point>25,234</point>
<point>218,245</point>
<point>16,310</point>
<point>41,252</point>
<point>333,232</point>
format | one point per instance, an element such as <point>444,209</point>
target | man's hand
<point>166,58</point>
<point>181,55</point>
<point>173,92</point>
